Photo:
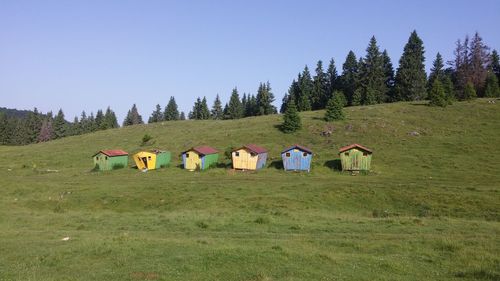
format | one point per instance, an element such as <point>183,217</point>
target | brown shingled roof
<point>303,148</point>
<point>342,149</point>
<point>112,152</point>
<point>253,148</point>
<point>204,150</point>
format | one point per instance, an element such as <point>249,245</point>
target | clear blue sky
<point>86,55</point>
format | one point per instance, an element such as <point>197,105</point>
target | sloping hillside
<point>428,211</point>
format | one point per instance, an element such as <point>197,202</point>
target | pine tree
<point>234,109</point>
<point>171,110</point>
<point>461,67</point>
<point>284,103</point>
<point>437,95</point>
<point>291,118</point>
<point>74,128</point>
<point>216,112</point>
<point>265,98</point>
<point>92,124</point>
<point>349,77</point>
<point>204,111</point>
<point>195,114</point>
<point>478,62</point>
<point>244,104</point>
<point>372,75</point>
<point>156,116</point>
<point>225,111</point>
<point>334,108</point>
<point>389,75</point>
<point>331,80</point>
<point>492,89</point>
<point>437,72</point>
<point>183,116</point>
<point>306,87</point>
<point>469,91</point>
<point>84,123</point>
<point>60,125</point>
<point>410,83</point>
<point>318,93</point>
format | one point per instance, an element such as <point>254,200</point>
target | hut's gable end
<point>296,159</point>
<point>356,159</point>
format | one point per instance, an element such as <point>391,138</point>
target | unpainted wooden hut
<point>355,157</point>
<point>106,160</point>
<point>249,157</point>
<point>152,159</point>
<point>200,158</point>
<point>297,158</point>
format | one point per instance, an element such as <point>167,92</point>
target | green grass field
<point>430,209</point>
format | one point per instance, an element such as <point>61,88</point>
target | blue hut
<point>297,158</point>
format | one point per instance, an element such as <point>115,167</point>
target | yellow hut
<point>249,157</point>
<point>153,159</point>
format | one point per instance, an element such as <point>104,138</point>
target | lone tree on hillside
<point>334,107</point>
<point>291,118</point>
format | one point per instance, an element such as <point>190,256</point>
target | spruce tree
<point>479,59</point>
<point>244,104</point>
<point>284,103</point>
<point>437,72</point>
<point>46,131</point>
<point>60,126</point>
<point>372,75</point>
<point>461,67</point>
<point>183,116</point>
<point>156,116</point>
<point>84,123</point>
<point>495,63</point>
<point>265,98</point>
<point>195,114</point>
<point>99,119</point>
<point>410,82</point>
<point>469,91</point>
<point>306,87</point>
<point>492,90</point>
<point>204,111</point>
<point>217,113</point>
<point>110,120</point>
<point>133,117</point>
<point>448,88</point>
<point>33,125</point>
<point>234,109</point>
<point>74,128</point>
<point>251,107</point>
<point>437,95</point>
<point>389,75</point>
<point>318,93</point>
<point>291,118</point>
<point>171,110</point>
<point>334,108</point>
<point>331,80</point>
<point>349,77</point>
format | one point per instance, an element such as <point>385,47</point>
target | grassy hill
<point>430,209</point>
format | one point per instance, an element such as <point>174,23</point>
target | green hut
<point>106,160</point>
<point>355,157</point>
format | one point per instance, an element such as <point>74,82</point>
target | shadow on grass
<point>226,165</point>
<point>277,164</point>
<point>334,164</point>
<point>419,104</point>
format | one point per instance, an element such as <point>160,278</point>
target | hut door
<point>192,161</point>
<point>355,161</point>
<point>145,161</point>
<point>296,159</point>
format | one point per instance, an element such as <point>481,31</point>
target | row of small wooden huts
<point>353,157</point>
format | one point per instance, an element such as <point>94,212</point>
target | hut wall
<point>355,160</point>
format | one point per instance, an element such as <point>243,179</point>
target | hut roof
<point>112,152</point>
<point>342,149</point>
<point>303,148</point>
<point>253,148</point>
<point>204,150</point>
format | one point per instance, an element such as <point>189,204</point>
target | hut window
<point>287,154</point>
<point>304,154</point>
<point>97,158</point>
<point>187,155</point>
<point>365,154</point>
<point>346,154</point>
<point>237,154</point>
<point>149,157</point>
<point>106,157</point>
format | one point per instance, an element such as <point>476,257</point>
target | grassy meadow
<point>429,210</point>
